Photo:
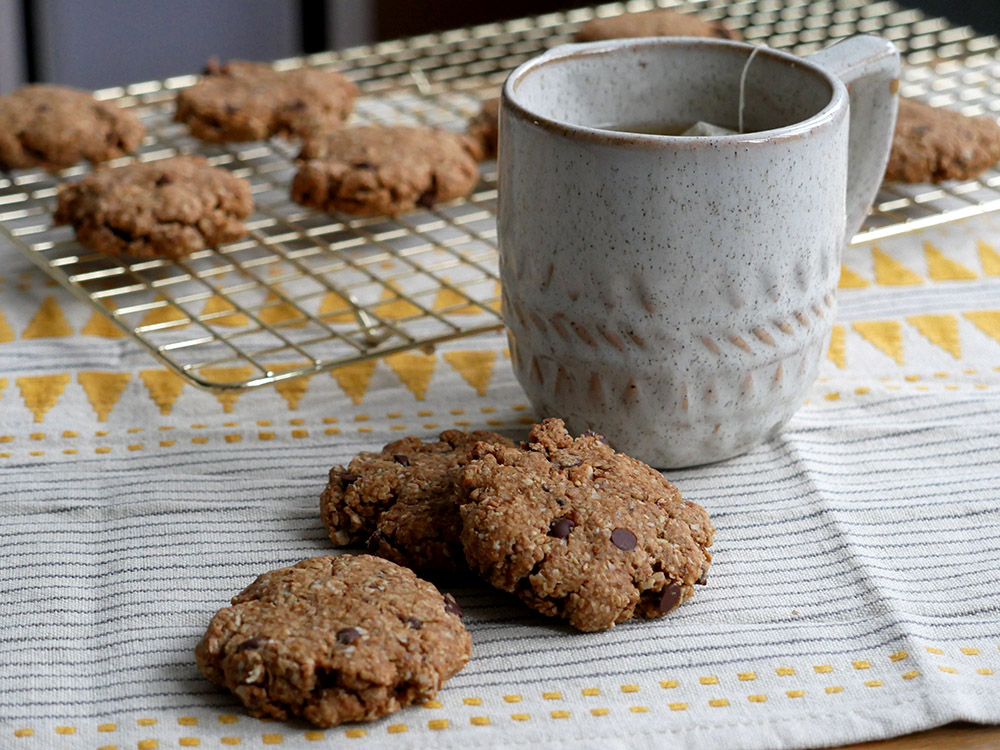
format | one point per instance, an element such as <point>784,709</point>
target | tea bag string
<point>743,82</point>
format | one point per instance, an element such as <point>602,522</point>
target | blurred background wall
<point>99,43</point>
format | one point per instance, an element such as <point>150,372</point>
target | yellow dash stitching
<point>300,433</point>
<point>932,650</point>
<point>107,727</point>
<point>667,684</point>
<point>277,739</point>
<point>911,674</point>
<point>227,719</point>
<point>480,721</point>
<point>633,688</point>
<point>590,691</point>
<point>711,680</point>
<point>678,706</point>
<point>861,664</point>
<point>898,656</point>
<point>145,722</point>
<point>437,724</point>
<point>512,698</point>
<point>757,698</point>
<point>823,668</point>
<point>24,732</point>
<point>746,676</point>
<point>970,651</point>
<point>984,670</point>
<point>147,744</point>
<point>313,735</point>
<point>948,670</point>
<point>795,693</point>
<point>355,733</point>
<point>230,740</point>
<point>187,721</point>
<point>520,717</point>
<point>599,711</point>
<point>718,702</point>
<point>784,671</point>
<point>188,742</point>
<point>638,709</point>
<point>560,714</point>
<point>873,683</point>
<point>432,704</point>
<point>472,701</point>
<point>834,689</point>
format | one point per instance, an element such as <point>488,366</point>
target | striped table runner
<point>854,592</point>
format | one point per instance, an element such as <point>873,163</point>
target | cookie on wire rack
<point>653,23</point>
<point>54,127</point>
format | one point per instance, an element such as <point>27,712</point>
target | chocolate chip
<point>231,110</point>
<point>250,643</point>
<point>402,460</point>
<point>163,180</point>
<point>414,623</point>
<point>363,165</point>
<point>374,542</point>
<point>327,678</point>
<point>600,438</point>
<point>426,199</point>
<point>347,636</point>
<point>451,606</point>
<point>121,234</point>
<point>703,578</point>
<point>623,539</point>
<point>560,502</point>
<point>297,104</point>
<point>671,597</point>
<point>561,527</point>
<point>348,479</point>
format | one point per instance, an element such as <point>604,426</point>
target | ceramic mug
<point>676,293</point>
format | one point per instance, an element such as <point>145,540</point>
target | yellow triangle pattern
<point>216,304</point>
<point>164,387</point>
<point>414,370</point>
<point>41,392</point>
<point>987,321</point>
<point>885,335</point>
<point>354,379</point>
<point>99,325</point>
<point>6,332</point>
<point>940,268</point>
<point>332,303</point>
<point>294,389</point>
<point>837,353</point>
<point>277,312</point>
<point>850,280</point>
<point>238,374</point>
<point>475,367</point>
<point>49,322</point>
<point>103,390</point>
<point>941,330</point>
<point>395,308</point>
<point>989,259</point>
<point>449,298</point>
<point>165,314</point>
<point>890,272</point>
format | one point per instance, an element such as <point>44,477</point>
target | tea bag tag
<point>706,128</point>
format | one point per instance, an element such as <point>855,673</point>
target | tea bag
<point>707,128</point>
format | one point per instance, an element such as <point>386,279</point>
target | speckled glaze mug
<point>676,293</point>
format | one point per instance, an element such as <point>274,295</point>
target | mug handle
<point>868,65</point>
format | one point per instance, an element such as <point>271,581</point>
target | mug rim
<point>509,100</point>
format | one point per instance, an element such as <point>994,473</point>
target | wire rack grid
<point>306,292</point>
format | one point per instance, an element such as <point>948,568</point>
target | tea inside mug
<point>663,90</point>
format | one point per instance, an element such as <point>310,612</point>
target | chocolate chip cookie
<point>932,144</point>
<point>163,209</point>
<point>404,501</point>
<point>581,532</point>
<point>246,101</point>
<point>485,128</point>
<point>335,639</point>
<point>653,23</point>
<point>54,127</point>
<point>373,170</point>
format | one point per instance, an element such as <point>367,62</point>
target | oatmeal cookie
<point>404,501</point>
<point>335,639</point>
<point>55,127</point>
<point>932,144</point>
<point>653,23</point>
<point>247,101</point>
<point>373,170</point>
<point>581,532</point>
<point>163,209</point>
<point>485,128</point>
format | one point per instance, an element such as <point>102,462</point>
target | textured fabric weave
<point>853,593</point>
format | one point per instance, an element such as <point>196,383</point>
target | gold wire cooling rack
<point>307,292</point>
